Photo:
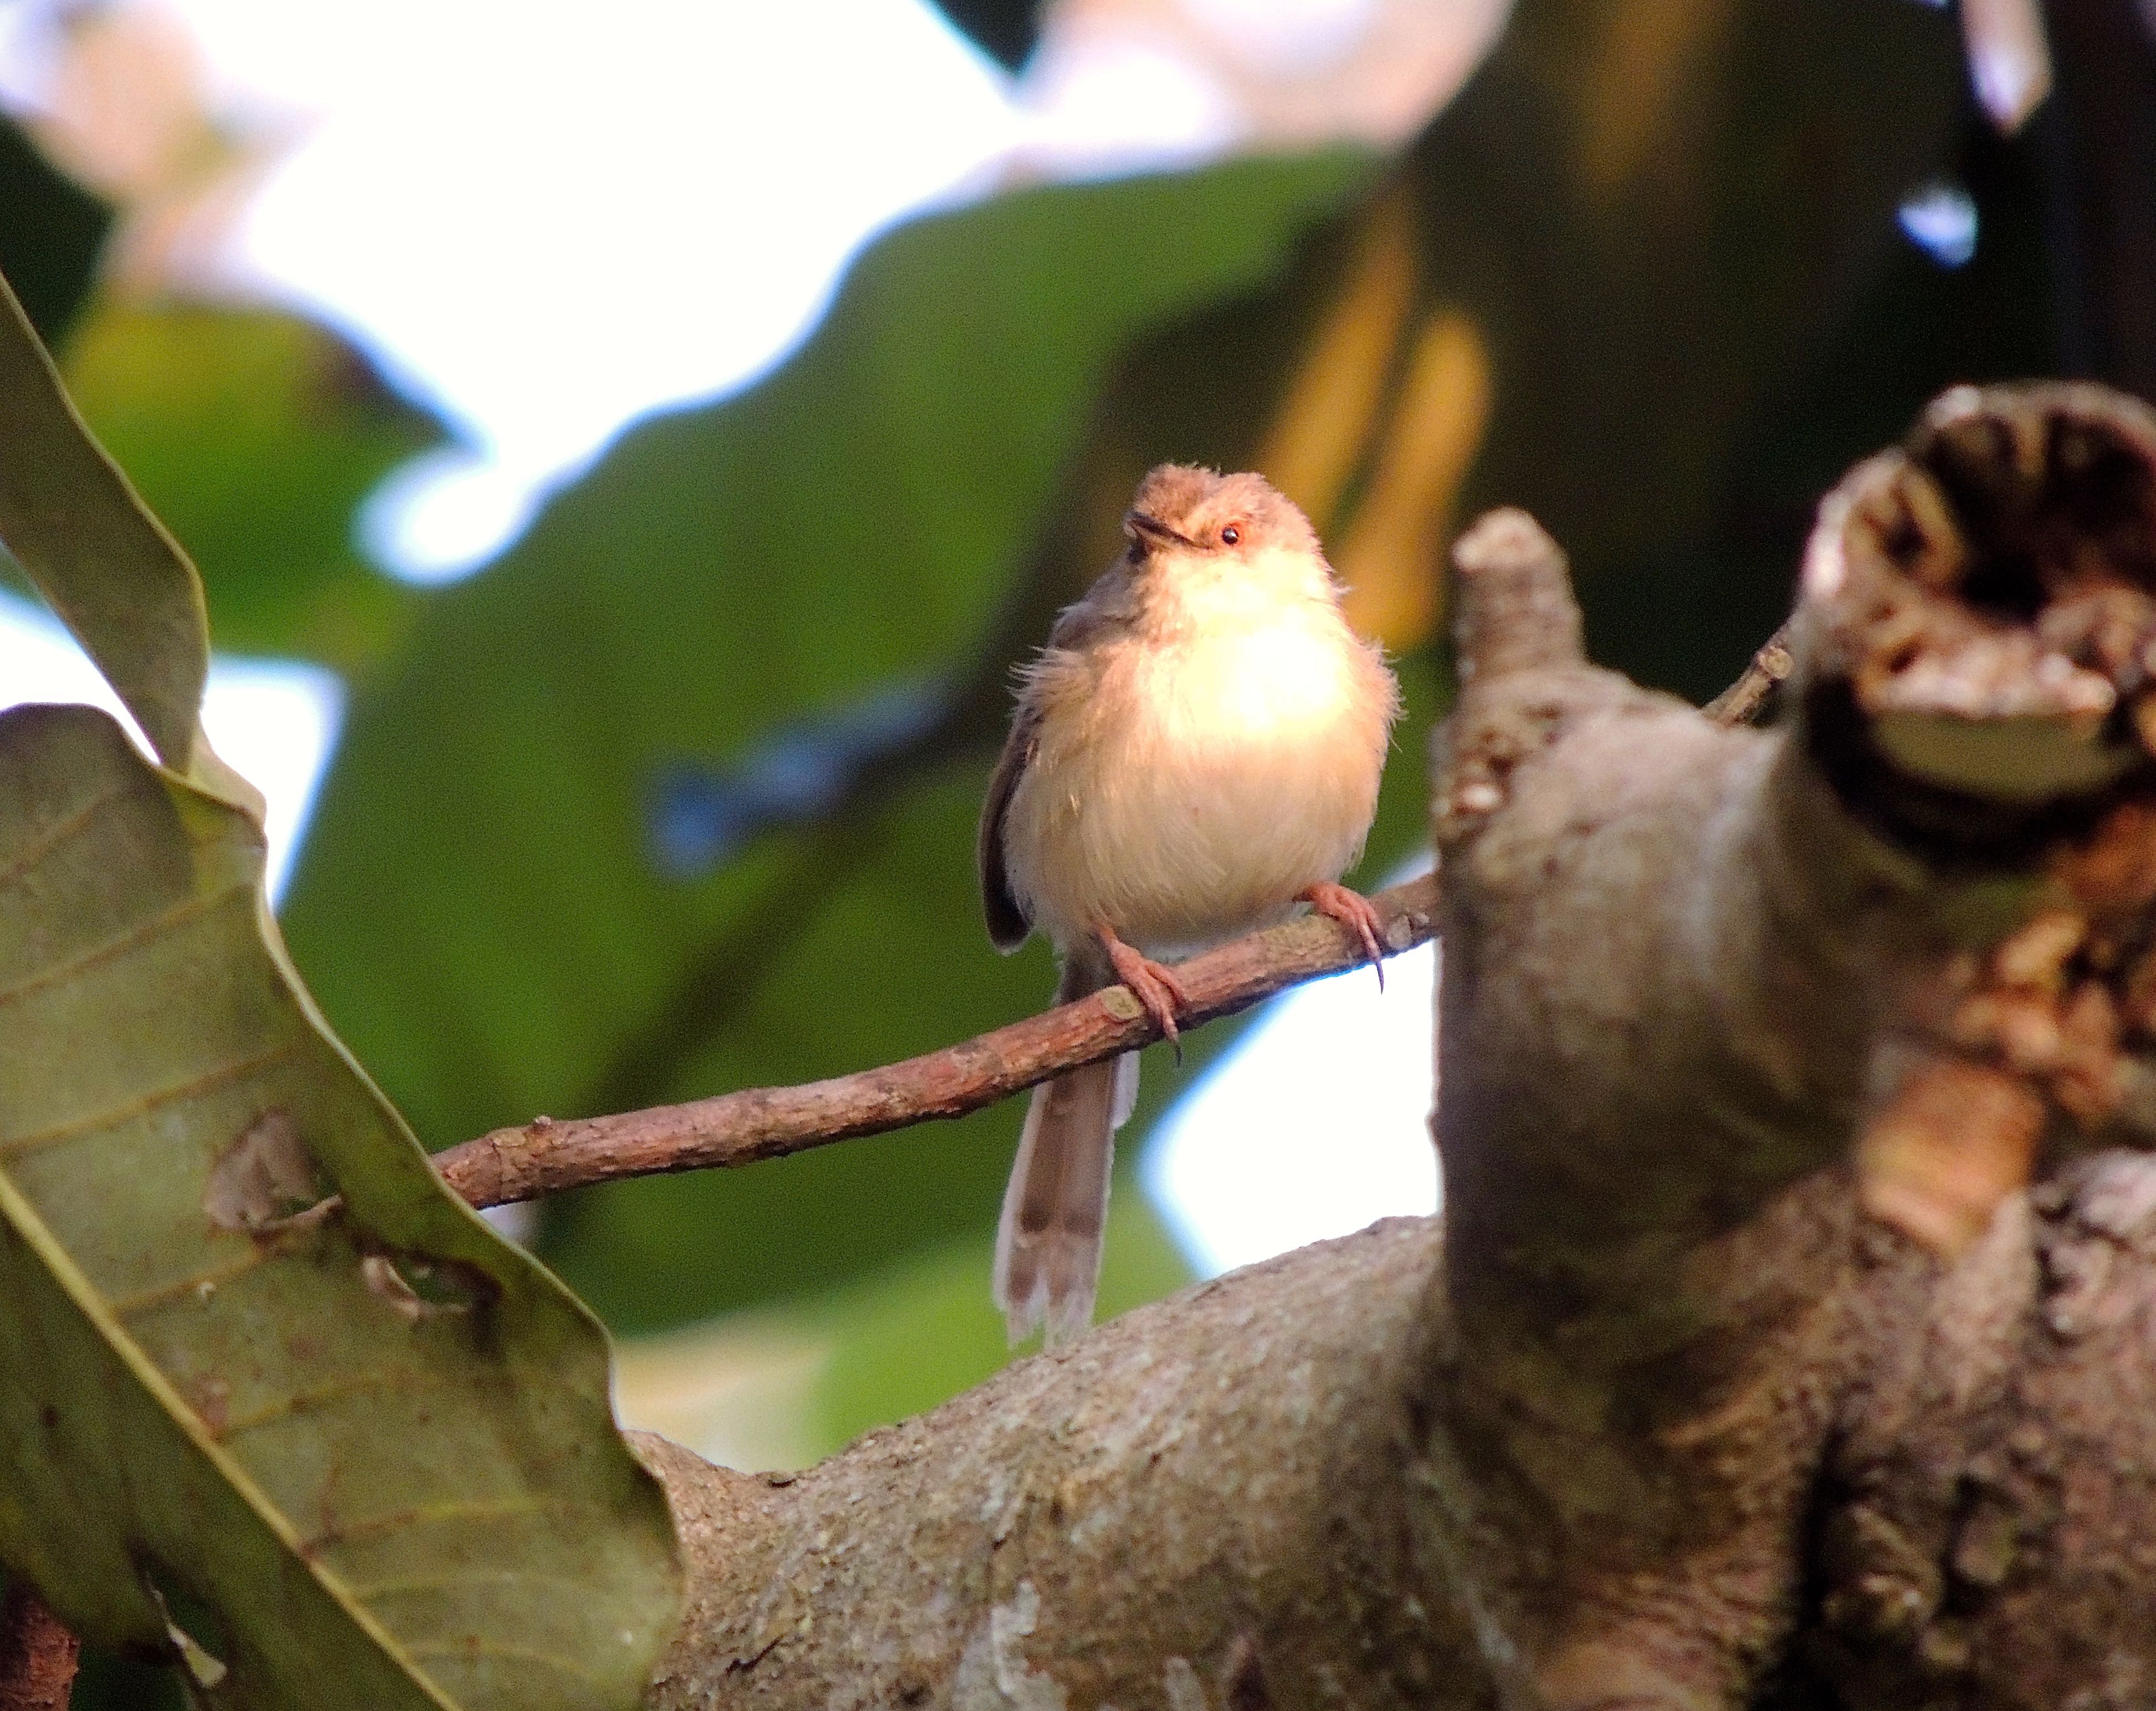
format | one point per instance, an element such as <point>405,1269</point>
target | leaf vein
<point>472,1508</point>
<point>125,1307</point>
<point>57,834</point>
<point>463,1577</point>
<point>179,916</point>
<point>368,1381</point>
<point>477,1646</point>
<point>238,1070</point>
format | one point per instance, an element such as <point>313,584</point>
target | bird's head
<point>1187,519</point>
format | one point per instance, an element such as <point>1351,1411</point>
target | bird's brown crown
<point>1194,507</point>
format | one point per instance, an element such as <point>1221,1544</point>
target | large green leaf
<point>375,1444</point>
<point>1597,284</point>
<point>365,1444</point>
<point>255,434</point>
<point>108,567</point>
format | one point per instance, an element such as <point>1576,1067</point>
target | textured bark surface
<point>38,1656</point>
<point>1216,1500</point>
<point>1787,1343</point>
<point>1986,1517</point>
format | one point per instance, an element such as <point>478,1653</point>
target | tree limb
<point>37,1655</point>
<point>1576,1454</point>
<point>1704,994</point>
<point>545,1156</point>
<point>1213,1501</point>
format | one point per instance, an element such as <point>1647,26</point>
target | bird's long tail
<point>1048,1246</point>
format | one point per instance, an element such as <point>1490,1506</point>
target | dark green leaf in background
<point>255,435</point>
<point>52,232</point>
<point>1006,30</point>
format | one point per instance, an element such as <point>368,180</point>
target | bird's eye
<point>1230,535</point>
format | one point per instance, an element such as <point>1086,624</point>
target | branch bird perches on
<point>546,1156</point>
<point>549,1156</point>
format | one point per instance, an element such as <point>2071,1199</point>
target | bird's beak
<point>1150,531</point>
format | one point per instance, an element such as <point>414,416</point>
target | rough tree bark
<point>38,1656</point>
<point>1787,1342</point>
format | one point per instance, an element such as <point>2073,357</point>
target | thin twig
<point>546,1157</point>
<point>1741,702</point>
<point>37,1655</point>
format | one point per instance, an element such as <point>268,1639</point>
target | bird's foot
<point>1152,984</point>
<point>1354,912</point>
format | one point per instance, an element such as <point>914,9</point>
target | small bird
<point>1196,750</point>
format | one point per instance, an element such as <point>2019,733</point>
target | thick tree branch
<point>1709,996</point>
<point>1703,991</point>
<point>545,1156</point>
<point>1215,1501</point>
<point>1751,1043</point>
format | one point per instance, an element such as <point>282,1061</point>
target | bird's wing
<point>1107,607</point>
<point>1007,925</point>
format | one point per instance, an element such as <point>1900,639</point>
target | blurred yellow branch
<point>1317,437</point>
<point>1389,557</point>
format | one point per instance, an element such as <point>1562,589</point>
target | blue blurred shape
<point>701,816</point>
<point>1940,219</point>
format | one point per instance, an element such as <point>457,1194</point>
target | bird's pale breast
<point>1186,790</point>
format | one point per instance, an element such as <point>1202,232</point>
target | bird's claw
<point>1354,912</point>
<point>1152,984</point>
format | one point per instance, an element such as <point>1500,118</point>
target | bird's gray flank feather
<point>1107,605</point>
<point>1007,925</point>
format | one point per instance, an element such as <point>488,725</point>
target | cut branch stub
<point>1515,622</point>
<point>1983,614</point>
<point>1516,612</point>
<point>1981,689</point>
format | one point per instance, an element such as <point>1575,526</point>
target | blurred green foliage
<point>305,427</point>
<point>1642,275</point>
<point>857,521</point>
<point>1664,226</point>
<point>51,232</point>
